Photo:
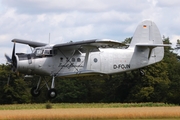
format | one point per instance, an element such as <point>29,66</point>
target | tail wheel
<point>35,92</point>
<point>141,72</point>
<point>52,93</point>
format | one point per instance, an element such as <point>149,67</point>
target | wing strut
<point>68,61</point>
<point>86,57</point>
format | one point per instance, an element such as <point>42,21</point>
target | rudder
<point>147,44</point>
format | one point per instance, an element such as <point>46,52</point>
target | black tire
<point>52,93</point>
<point>35,92</point>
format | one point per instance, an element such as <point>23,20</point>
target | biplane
<point>88,57</point>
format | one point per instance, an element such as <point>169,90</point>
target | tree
<point>70,90</point>
<point>172,60</point>
<point>14,90</point>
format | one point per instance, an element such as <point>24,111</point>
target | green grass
<point>81,105</point>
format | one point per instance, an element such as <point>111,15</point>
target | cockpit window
<point>45,52</point>
<point>48,52</point>
<point>39,52</point>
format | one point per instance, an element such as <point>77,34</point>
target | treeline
<point>160,84</point>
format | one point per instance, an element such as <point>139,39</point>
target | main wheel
<point>52,93</point>
<point>35,92</point>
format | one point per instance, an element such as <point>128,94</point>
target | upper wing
<point>30,43</point>
<point>92,44</point>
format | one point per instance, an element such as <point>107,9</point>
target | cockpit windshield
<point>43,52</point>
<point>39,52</point>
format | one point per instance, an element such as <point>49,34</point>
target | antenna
<point>49,38</point>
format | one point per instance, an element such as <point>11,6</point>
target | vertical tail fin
<point>146,32</point>
<point>147,44</point>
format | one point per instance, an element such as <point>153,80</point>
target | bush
<point>48,105</point>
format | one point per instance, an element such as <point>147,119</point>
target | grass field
<point>90,111</point>
<point>82,105</point>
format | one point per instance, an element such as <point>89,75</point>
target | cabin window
<point>78,59</point>
<point>95,60</point>
<point>73,59</point>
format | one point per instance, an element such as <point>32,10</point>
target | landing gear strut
<point>35,91</point>
<point>52,93</point>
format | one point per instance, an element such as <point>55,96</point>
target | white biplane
<point>89,57</point>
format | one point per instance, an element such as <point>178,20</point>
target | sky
<point>75,20</point>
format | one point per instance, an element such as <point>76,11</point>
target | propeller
<point>12,61</point>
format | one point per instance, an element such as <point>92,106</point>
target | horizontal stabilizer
<point>153,45</point>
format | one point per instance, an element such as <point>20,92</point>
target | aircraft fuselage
<point>68,63</point>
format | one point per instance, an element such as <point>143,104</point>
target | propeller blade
<point>13,52</point>
<point>9,61</point>
<point>14,61</point>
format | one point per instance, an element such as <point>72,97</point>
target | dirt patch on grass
<point>93,113</point>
